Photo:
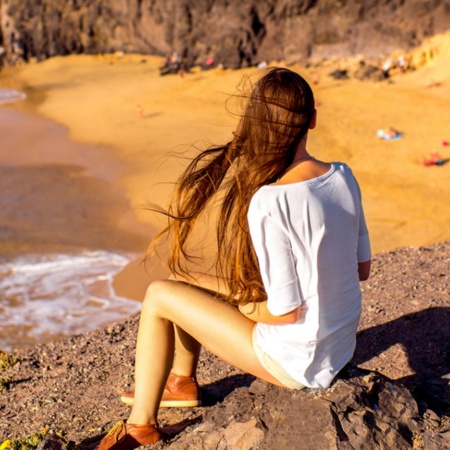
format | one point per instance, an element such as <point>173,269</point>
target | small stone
<point>243,436</point>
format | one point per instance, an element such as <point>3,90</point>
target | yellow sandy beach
<point>123,103</point>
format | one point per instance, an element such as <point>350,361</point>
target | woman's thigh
<point>218,326</point>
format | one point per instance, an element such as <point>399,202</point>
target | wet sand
<point>55,194</point>
<point>140,119</point>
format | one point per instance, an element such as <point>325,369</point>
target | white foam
<point>54,295</point>
<point>8,95</point>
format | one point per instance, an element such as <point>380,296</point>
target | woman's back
<point>307,238</point>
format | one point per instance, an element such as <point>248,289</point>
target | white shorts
<point>274,367</point>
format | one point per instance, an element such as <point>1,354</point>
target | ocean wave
<point>43,297</point>
<point>8,95</point>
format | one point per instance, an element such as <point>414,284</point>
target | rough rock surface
<point>233,32</point>
<point>360,411</point>
<point>394,394</point>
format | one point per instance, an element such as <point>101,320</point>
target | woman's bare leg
<point>216,325</point>
<point>187,353</point>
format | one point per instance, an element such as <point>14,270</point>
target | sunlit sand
<point>143,118</point>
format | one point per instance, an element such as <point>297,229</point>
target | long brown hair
<point>276,117</point>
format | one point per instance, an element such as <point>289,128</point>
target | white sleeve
<point>276,262</point>
<point>364,252</point>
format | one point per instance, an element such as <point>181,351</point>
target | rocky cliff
<point>234,32</point>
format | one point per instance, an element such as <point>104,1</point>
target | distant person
<point>292,248</point>
<point>262,65</point>
<point>387,67</point>
<point>401,64</point>
<point>182,69</point>
<point>166,61</point>
<point>140,111</point>
<point>173,65</point>
<point>315,77</point>
<point>433,84</point>
<point>389,134</point>
<point>208,64</point>
<point>434,159</point>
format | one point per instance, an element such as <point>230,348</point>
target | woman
<point>292,247</point>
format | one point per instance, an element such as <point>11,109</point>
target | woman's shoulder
<point>318,173</point>
<point>266,194</point>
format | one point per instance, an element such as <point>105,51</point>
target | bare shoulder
<point>308,170</point>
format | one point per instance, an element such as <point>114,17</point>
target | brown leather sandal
<point>127,436</point>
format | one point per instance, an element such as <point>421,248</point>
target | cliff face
<point>234,32</point>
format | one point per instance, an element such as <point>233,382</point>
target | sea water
<point>8,95</point>
<point>50,296</point>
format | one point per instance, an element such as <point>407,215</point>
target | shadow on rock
<point>425,337</point>
<point>216,392</point>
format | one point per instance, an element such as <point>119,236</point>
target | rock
<point>436,441</point>
<point>85,375</point>
<point>235,436</point>
<point>339,74</point>
<point>373,410</point>
<point>361,410</point>
<point>435,393</point>
<point>53,442</point>
<point>235,33</point>
<point>368,72</point>
<point>242,436</point>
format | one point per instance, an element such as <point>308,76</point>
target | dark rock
<point>361,410</point>
<point>53,442</point>
<point>368,72</point>
<point>339,74</point>
<point>436,394</point>
<point>235,33</point>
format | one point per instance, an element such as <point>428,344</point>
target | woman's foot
<point>179,392</point>
<point>127,436</point>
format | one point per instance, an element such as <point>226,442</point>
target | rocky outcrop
<point>364,410</point>
<point>394,395</point>
<point>234,32</point>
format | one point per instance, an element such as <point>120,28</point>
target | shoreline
<point>67,235</point>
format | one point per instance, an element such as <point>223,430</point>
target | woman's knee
<point>156,291</point>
